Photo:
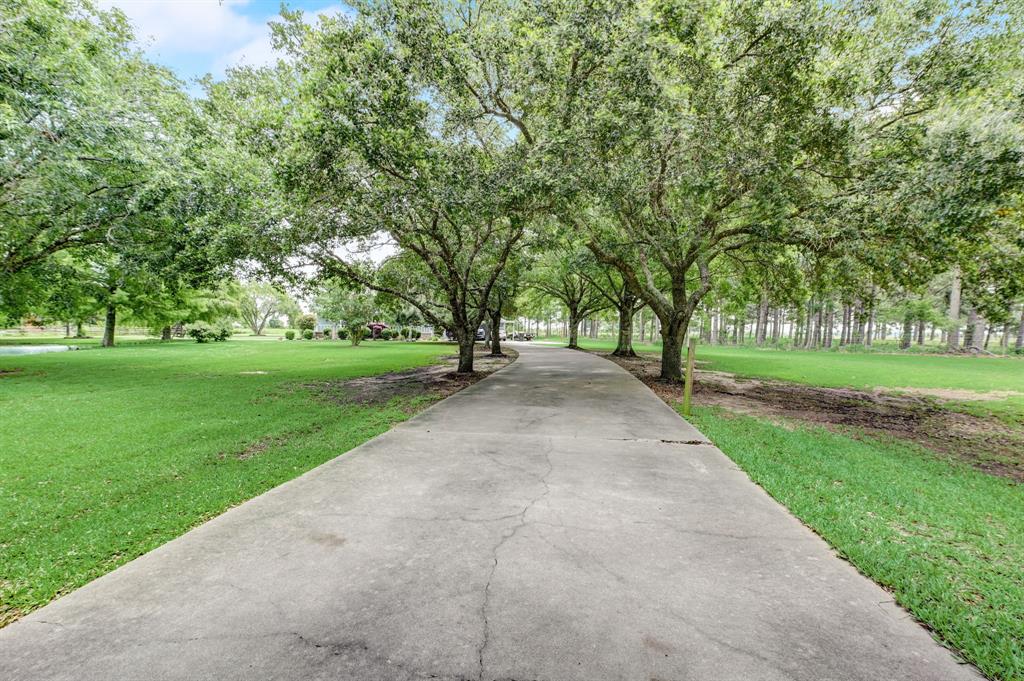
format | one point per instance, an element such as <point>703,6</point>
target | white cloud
<point>189,26</point>
<point>259,51</point>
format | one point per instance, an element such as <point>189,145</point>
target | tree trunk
<point>819,325</point>
<point>467,338</point>
<point>574,330</point>
<point>1019,344</point>
<point>715,329</point>
<point>920,332</point>
<point>809,325</point>
<point>624,348</point>
<point>953,342</point>
<point>762,320</point>
<point>908,333</point>
<point>108,327</point>
<point>844,331</point>
<point>870,334</point>
<point>776,325</point>
<point>972,319</point>
<point>672,337</point>
<point>496,335</point>
<point>165,333</point>
<point>830,319</point>
<point>80,329</point>
<point>857,324</point>
<point>978,334</point>
<point>67,329</point>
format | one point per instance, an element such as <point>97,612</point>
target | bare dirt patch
<point>433,382</point>
<point>954,394</point>
<point>987,443</point>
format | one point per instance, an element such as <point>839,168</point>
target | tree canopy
<point>691,159</point>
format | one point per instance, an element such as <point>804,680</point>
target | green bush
<point>416,333</point>
<point>204,333</point>
<point>342,334</point>
<point>327,334</point>
<point>289,334</point>
<point>307,334</point>
<point>307,322</point>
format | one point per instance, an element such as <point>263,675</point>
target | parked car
<point>521,336</point>
<point>481,334</point>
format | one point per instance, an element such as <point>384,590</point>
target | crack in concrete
<point>505,536</point>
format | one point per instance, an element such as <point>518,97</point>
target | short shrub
<point>308,334</point>
<point>307,322</point>
<point>327,334</point>
<point>416,333</point>
<point>204,333</point>
<point>342,334</point>
<point>289,334</point>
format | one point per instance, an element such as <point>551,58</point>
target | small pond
<point>33,349</point>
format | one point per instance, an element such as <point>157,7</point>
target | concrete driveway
<point>554,522</point>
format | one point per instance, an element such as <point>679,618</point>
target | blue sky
<point>195,37</point>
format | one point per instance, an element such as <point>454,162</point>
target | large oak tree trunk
<point>466,339</point>
<point>574,330</point>
<point>108,327</point>
<point>624,347</point>
<point>672,336</point>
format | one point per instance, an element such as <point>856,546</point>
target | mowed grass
<point>866,371</point>
<point>947,540</point>
<point>106,454</point>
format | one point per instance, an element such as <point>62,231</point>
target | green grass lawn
<point>106,454</point>
<point>947,540</point>
<point>864,370</point>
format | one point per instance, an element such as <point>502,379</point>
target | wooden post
<point>691,350</point>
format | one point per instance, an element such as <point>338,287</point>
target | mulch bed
<point>436,381</point>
